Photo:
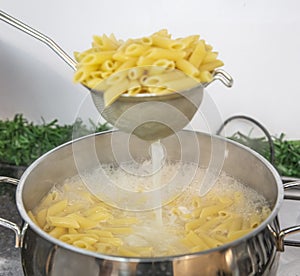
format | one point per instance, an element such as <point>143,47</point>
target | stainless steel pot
<point>256,253</point>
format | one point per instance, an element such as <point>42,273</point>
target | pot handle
<point>11,225</point>
<point>290,230</point>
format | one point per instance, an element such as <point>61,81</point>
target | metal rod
<point>38,35</point>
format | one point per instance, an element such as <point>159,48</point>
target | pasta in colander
<point>106,65</point>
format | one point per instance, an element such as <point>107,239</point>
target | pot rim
<point>254,232</point>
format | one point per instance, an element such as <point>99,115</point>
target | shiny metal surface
<point>295,187</point>
<point>9,224</point>
<point>250,255</point>
<point>38,35</point>
<point>152,117</point>
<point>254,254</point>
<point>281,241</point>
<point>128,113</point>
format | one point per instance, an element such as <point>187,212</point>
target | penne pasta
<point>127,252</point>
<point>159,53</point>
<point>163,32</point>
<point>107,65</point>
<point>212,223</point>
<point>135,73</point>
<point>194,239</point>
<point>135,50</point>
<point>144,61</point>
<point>199,248</point>
<point>194,224</point>
<point>211,242</point>
<point>104,216</point>
<point>159,90</point>
<point>196,201</point>
<point>99,208</point>
<point>129,63</point>
<point>72,208</point>
<point>105,43</point>
<point>57,207</point>
<point>50,199</point>
<point>113,241</point>
<point>254,220</point>
<point>146,41</point>
<point>166,64</point>
<point>209,57</point>
<point>84,222</point>
<point>96,58</point>
<point>116,79</point>
<point>205,77</point>
<point>236,224</point>
<point>70,238</point>
<point>134,89</point>
<point>32,217</point>
<point>72,231</point>
<point>198,54</point>
<point>187,67</point>
<point>58,231</point>
<point>211,65</point>
<point>167,43</point>
<point>237,234</point>
<point>41,217</point>
<point>180,84</point>
<point>121,57</point>
<point>123,221</point>
<point>66,222</point>
<point>189,40</point>
<point>211,210</point>
<point>81,75</point>
<point>82,244</point>
<point>113,92</point>
<point>94,83</point>
<point>190,223</point>
<point>100,233</point>
<point>104,247</point>
<point>79,56</point>
<point>150,80</point>
<point>108,55</point>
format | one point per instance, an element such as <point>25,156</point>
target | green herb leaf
<point>287,152</point>
<point>22,142</point>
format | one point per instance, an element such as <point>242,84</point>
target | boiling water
<point>157,156</point>
<point>176,224</point>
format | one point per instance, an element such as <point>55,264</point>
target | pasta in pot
<point>189,223</point>
<point>190,55</point>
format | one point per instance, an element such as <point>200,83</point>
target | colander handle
<point>39,36</point>
<point>290,230</point>
<point>222,76</point>
<point>19,233</point>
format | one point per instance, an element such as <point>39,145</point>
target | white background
<point>258,40</point>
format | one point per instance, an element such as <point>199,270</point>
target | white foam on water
<point>161,228</point>
<point>157,156</point>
